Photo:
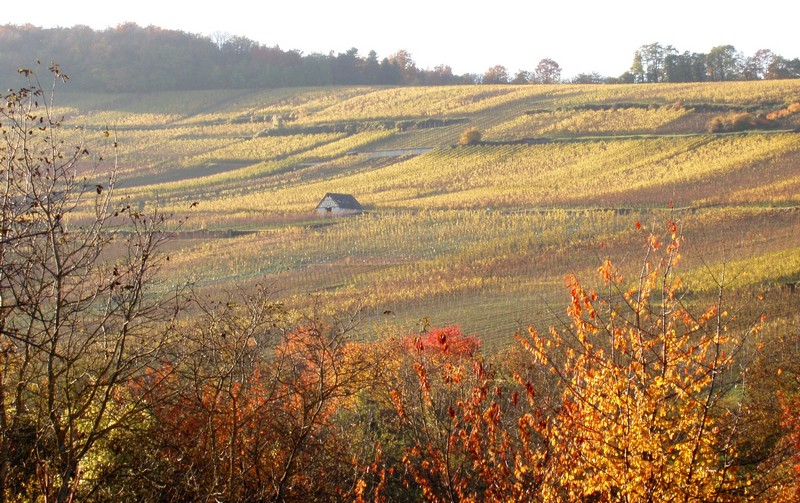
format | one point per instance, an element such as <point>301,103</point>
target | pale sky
<point>471,36</point>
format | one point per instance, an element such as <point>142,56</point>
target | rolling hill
<point>480,235</point>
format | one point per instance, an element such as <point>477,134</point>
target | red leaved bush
<point>447,340</point>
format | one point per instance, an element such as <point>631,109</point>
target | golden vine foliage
<point>642,415</point>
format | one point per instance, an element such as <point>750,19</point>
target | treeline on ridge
<point>130,58</point>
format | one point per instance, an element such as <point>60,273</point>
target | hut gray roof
<point>341,201</point>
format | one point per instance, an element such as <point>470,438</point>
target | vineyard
<point>489,293</point>
<point>479,235</point>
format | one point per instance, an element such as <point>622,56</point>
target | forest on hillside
<point>130,58</point>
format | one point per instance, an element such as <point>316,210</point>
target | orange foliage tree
<point>647,412</point>
<point>434,376</point>
<point>247,415</point>
<point>465,431</point>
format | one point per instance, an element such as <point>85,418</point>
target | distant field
<point>479,235</point>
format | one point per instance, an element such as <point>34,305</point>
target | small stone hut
<point>338,204</point>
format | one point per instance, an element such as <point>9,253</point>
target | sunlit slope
<point>316,105</point>
<point>480,235</point>
<point>279,151</point>
<point>696,170</point>
<point>490,271</point>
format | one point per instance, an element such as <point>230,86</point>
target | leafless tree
<point>81,315</point>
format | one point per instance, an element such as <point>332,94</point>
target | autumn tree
<point>783,68</point>
<point>723,62</point>
<point>522,77</point>
<point>497,74</point>
<point>648,411</point>
<point>685,67</point>
<point>405,66</point>
<point>77,322</point>
<point>770,440</point>
<point>790,405</point>
<point>649,62</point>
<point>588,78</point>
<point>637,397</point>
<point>547,72</point>
<point>496,445</point>
<point>756,66</point>
<point>449,425</point>
<point>441,75</point>
<point>248,415</point>
<point>428,376</point>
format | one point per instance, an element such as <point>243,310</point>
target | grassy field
<point>479,235</point>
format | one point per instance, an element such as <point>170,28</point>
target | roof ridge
<point>344,201</point>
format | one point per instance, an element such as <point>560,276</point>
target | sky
<point>468,35</point>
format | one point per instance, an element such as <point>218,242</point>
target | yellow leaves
<point>609,273</point>
<point>582,301</point>
<point>635,421</point>
<point>360,489</point>
<point>710,313</point>
<point>654,242</point>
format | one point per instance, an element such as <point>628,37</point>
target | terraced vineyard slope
<point>481,235</point>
